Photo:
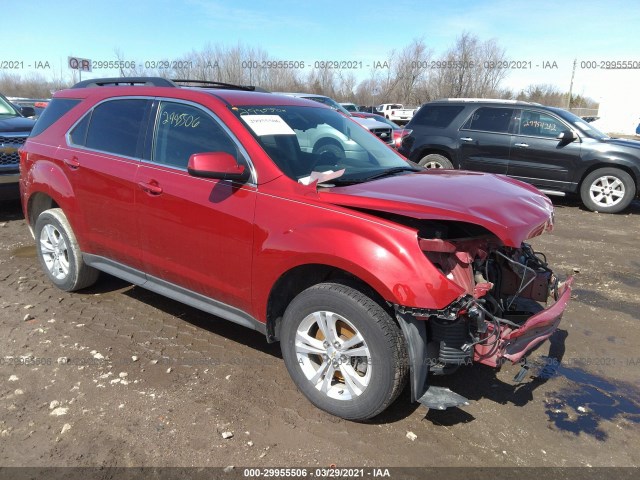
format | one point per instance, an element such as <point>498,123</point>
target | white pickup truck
<point>395,112</point>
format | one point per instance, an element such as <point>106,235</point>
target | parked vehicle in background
<point>351,107</point>
<point>14,130</point>
<point>549,147</point>
<point>369,270</point>
<point>398,132</point>
<point>380,130</point>
<point>30,107</point>
<point>395,112</point>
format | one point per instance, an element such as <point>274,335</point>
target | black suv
<point>548,147</point>
<point>14,130</point>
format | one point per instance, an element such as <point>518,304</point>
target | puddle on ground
<point>25,252</point>
<point>589,401</point>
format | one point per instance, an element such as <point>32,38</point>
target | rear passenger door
<point>195,233</point>
<point>101,162</point>
<point>538,156</point>
<point>485,140</point>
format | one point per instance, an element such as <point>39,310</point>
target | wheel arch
<point>299,278</point>
<point>621,166</point>
<point>38,202</point>
<point>438,150</point>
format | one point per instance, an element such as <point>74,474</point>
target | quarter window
<point>117,126</point>
<point>489,119</point>
<point>538,124</point>
<point>182,130</point>
<point>439,116</point>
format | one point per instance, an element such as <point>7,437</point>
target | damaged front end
<point>512,302</point>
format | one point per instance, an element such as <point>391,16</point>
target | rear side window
<point>54,111</point>
<point>116,126</point>
<point>490,119</point>
<point>439,116</point>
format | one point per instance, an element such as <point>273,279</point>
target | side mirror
<point>567,136</point>
<point>220,165</point>
<point>28,111</point>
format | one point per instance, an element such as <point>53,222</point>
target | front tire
<point>59,253</point>
<point>343,351</point>
<point>607,190</point>
<point>435,160</point>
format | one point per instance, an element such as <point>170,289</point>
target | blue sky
<point>318,30</point>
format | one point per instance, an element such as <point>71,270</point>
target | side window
<point>490,119</point>
<point>116,126</point>
<point>182,130</point>
<point>439,116</point>
<point>539,124</point>
<point>78,136</point>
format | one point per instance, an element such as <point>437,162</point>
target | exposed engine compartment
<point>505,287</point>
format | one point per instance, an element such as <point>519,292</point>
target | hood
<point>370,123</point>
<point>512,210</point>
<point>623,142</point>
<point>16,125</point>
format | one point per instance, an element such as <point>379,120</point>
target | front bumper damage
<point>469,331</point>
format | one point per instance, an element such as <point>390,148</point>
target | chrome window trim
<point>254,177</point>
<point>67,135</point>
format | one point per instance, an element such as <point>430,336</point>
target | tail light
<point>399,134</point>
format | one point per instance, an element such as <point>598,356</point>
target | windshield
<point>306,140</point>
<point>582,125</point>
<point>6,108</point>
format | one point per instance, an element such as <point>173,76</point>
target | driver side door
<point>538,156</point>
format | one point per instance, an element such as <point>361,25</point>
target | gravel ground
<point>118,376</point>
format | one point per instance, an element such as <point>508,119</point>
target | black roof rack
<point>226,86</point>
<point>125,81</point>
<point>161,82</point>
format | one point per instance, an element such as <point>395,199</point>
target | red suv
<point>368,269</point>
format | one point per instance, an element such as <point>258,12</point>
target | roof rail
<point>125,81</point>
<point>487,100</point>
<point>226,86</point>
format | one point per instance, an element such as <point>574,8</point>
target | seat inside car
<point>285,152</point>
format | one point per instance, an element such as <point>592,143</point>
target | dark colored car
<point>365,267</point>
<point>14,130</point>
<point>548,147</point>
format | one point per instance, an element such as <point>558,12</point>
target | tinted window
<point>489,119</point>
<point>439,116</point>
<point>116,126</point>
<point>540,124</point>
<point>183,130</point>
<point>78,136</point>
<point>55,110</point>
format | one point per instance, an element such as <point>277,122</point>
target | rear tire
<point>343,351</point>
<point>435,160</point>
<point>59,253</point>
<point>607,190</point>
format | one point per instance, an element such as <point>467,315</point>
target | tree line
<point>411,75</point>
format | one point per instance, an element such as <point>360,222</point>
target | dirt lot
<point>120,376</point>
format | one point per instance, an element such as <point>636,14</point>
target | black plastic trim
<point>175,292</point>
<point>125,81</point>
<point>415,334</point>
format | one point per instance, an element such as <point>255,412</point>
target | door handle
<point>523,145</point>
<point>72,163</point>
<point>466,139</point>
<point>152,188</point>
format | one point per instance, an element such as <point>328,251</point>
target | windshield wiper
<point>388,173</point>
<point>352,181</point>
